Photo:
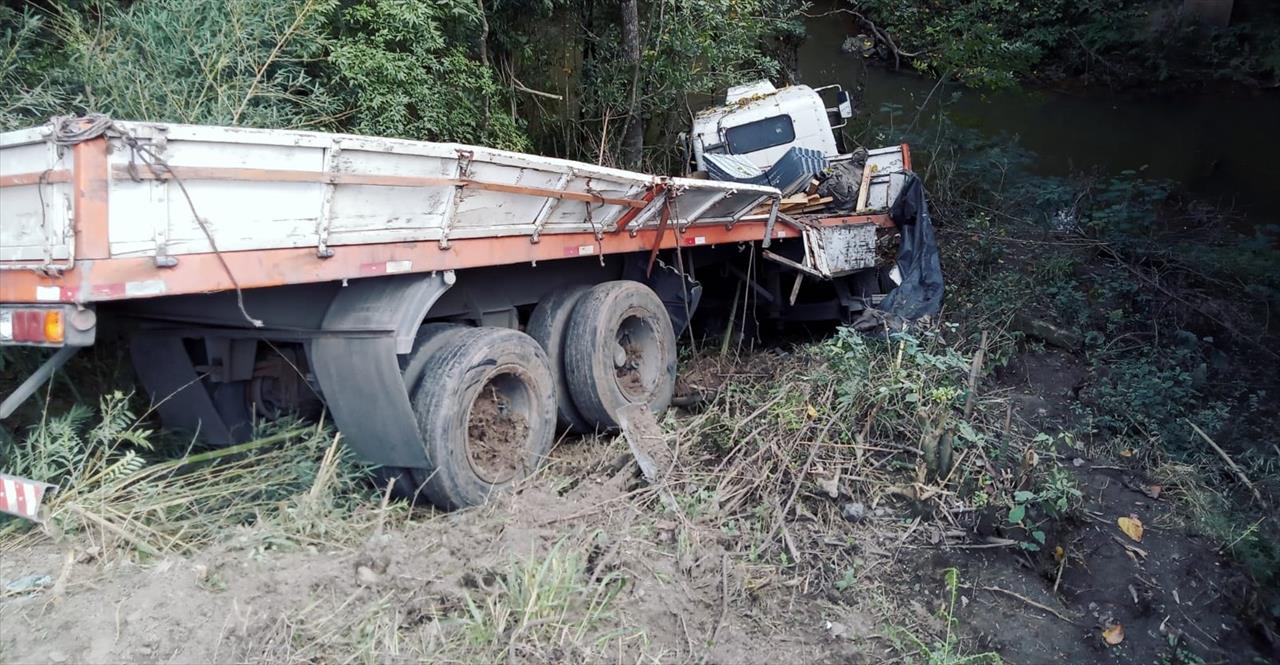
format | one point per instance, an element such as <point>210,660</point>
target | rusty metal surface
<point>839,250</point>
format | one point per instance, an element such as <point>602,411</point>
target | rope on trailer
<point>47,268</point>
<point>70,130</point>
<point>596,232</point>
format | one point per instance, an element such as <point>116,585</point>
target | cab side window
<point>760,134</point>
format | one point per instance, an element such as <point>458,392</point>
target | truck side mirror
<point>845,103</point>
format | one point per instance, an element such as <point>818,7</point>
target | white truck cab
<point>761,122</point>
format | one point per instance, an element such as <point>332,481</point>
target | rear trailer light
<point>62,325</point>
<point>53,332</point>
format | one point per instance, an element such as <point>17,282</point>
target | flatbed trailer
<point>259,271</point>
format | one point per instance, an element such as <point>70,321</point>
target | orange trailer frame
<point>94,276</point>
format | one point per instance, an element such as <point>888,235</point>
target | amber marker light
<point>53,331</point>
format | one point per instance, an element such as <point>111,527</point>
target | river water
<point>1225,149</point>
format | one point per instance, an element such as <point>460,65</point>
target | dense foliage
<point>687,48</point>
<point>993,43</point>
<point>1164,309</point>
<point>521,74</point>
<point>406,69</point>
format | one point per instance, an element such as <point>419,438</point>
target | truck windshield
<point>760,134</point>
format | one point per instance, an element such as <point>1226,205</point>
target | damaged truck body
<point>450,307</point>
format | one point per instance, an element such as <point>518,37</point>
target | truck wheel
<point>408,481</point>
<point>429,338</point>
<point>548,325</point>
<point>620,349</point>
<point>487,415</point>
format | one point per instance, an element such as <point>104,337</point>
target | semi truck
<point>450,307</point>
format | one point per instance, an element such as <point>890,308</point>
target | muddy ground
<point>662,586</point>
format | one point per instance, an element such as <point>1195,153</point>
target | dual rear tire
<point>488,400</point>
<point>619,349</point>
<point>485,403</point>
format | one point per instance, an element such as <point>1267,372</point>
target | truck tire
<point>487,415</point>
<point>620,349</point>
<point>408,481</point>
<point>429,338</point>
<point>548,325</point>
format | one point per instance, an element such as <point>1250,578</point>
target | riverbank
<point>1214,145</point>
<point>1154,305</point>
<point>1168,46</point>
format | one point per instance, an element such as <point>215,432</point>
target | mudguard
<point>359,372</point>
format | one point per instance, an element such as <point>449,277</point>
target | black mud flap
<point>180,396</point>
<point>357,367</point>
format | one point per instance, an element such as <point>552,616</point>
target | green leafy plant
<point>404,69</point>
<point>847,580</point>
<point>197,61</point>
<point>947,649</point>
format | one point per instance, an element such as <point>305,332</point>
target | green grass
<point>149,494</point>
<point>546,607</point>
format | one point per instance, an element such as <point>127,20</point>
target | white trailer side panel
<point>264,214</point>
<point>35,219</point>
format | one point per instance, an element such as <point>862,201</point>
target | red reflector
<point>28,326</point>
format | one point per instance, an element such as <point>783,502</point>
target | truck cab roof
<point>762,122</point>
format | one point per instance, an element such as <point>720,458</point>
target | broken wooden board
<point>646,441</point>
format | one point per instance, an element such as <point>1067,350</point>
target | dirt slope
<point>586,563</point>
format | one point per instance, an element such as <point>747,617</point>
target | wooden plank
<point>881,220</point>
<point>864,189</point>
<point>791,264</point>
<point>56,176</point>
<point>817,204</point>
<point>287,175</point>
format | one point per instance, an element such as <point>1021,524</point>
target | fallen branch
<point>1109,251</point>
<point>1039,606</point>
<point>991,543</point>
<point>885,38</point>
<point>804,470</point>
<point>522,88</point>
<point>724,599</point>
<point>1230,463</point>
<point>1130,547</point>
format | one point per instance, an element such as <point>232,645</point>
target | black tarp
<point>679,292</point>
<point>919,263</point>
<point>841,182</point>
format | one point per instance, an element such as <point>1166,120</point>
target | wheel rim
<point>637,357</point>
<point>498,426</point>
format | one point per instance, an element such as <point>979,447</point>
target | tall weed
<point>120,482</point>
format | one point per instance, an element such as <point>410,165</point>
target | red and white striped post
<point>22,497</point>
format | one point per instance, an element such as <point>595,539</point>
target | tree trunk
<point>482,43</point>
<point>633,134</point>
